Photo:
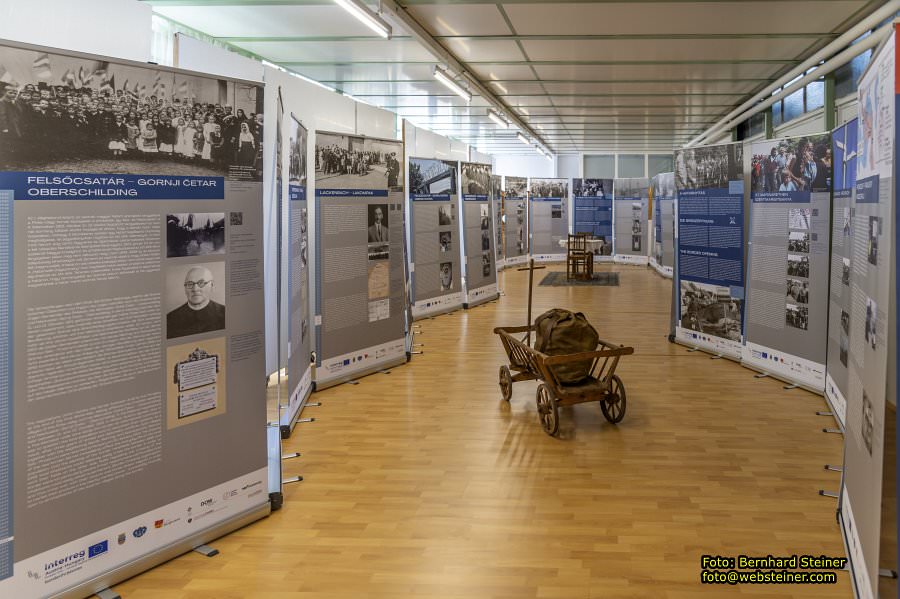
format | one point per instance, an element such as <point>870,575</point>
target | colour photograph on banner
<point>148,351</point>
<point>790,214</point>
<point>548,218</point>
<point>478,249</point>
<point>709,182</point>
<point>632,198</point>
<point>299,345</point>
<point>359,256</point>
<point>436,249</point>
<point>593,200</point>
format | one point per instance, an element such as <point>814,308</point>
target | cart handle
<point>588,355</point>
<point>521,329</point>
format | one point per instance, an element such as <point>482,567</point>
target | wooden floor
<point>423,483</point>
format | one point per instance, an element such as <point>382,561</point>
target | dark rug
<point>558,279</point>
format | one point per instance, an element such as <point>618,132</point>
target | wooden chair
<point>579,261</point>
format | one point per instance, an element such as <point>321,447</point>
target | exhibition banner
<point>843,143</point>
<point>133,412</point>
<point>299,370</point>
<point>872,323</point>
<point>594,214</point>
<point>477,225</point>
<point>436,259</point>
<point>787,271</point>
<point>548,219</point>
<point>359,283</point>
<point>709,182</point>
<point>497,212</point>
<point>632,200</point>
<point>515,207</point>
<point>663,191</point>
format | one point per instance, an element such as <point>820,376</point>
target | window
<point>630,165</point>
<point>599,167</point>
<point>659,163</point>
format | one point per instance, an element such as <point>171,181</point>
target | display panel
<point>663,258</point>
<point>630,220</point>
<point>593,200</point>
<point>499,225</point>
<point>359,256</point>
<point>131,227</point>
<point>478,229</point>
<point>709,182</point>
<point>436,256</point>
<point>515,212</point>
<point>790,238</point>
<point>871,320</point>
<point>299,331</point>
<point>548,218</point>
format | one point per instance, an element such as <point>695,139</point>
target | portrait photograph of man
<point>378,223</point>
<point>195,299</point>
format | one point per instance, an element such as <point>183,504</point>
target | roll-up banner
<point>299,346</point>
<point>871,321</point>
<point>435,261</point>
<point>593,199</point>
<point>630,220</point>
<point>663,257</point>
<point>515,218</point>
<point>132,329</point>
<point>360,324</point>
<point>548,219</point>
<point>478,231</point>
<point>709,182</point>
<point>787,272</point>
<point>497,214</point>
<point>843,143</point>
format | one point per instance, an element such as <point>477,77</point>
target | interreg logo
<point>98,549</point>
<point>78,555</point>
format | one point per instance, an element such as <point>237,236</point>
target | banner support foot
<point>206,550</point>
<point>290,456</point>
<point>293,479</point>
<point>831,468</point>
<point>351,382</point>
<point>789,387</point>
<point>108,594</point>
<point>832,494</point>
<point>824,414</point>
<point>833,430</point>
<point>693,349</point>
<point>761,375</point>
<point>885,573</point>
<point>716,357</point>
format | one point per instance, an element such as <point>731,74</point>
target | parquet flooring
<point>424,483</point>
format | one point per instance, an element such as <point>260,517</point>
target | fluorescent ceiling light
<point>455,87</point>
<point>523,139</point>
<point>539,150</point>
<point>369,18</point>
<point>498,119</point>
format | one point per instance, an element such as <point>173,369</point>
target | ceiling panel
<point>620,100</point>
<point>620,18</point>
<point>754,70</point>
<point>255,21</point>
<point>356,51</point>
<point>470,19</point>
<point>670,86</point>
<point>666,50</point>
<point>500,50</point>
<point>366,72</point>
<point>487,72</point>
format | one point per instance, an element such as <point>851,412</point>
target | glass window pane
<point>847,76</point>
<point>793,105</point>
<point>757,123</point>
<point>599,166</point>
<point>776,113</point>
<point>659,163</point>
<point>815,95</point>
<point>631,165</point>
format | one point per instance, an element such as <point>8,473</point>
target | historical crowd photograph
<point>709,167</point>
<point>710,309</point>
<point>195,234</point>
<point>802,164</point>
<point>353,162</point>
<point>476,178</point>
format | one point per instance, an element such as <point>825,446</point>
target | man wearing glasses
<point>199,314</point>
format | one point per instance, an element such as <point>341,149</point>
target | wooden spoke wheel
<point>547,409</point>
<point>506,383</point>
<point>613,406</point>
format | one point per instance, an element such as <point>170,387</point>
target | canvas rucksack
<point>559,331</point>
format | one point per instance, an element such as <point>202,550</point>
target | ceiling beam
<point>530,38</point>
<point>543,63</point>
<point>426,2</point>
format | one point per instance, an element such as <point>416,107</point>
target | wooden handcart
<point>526,364</point>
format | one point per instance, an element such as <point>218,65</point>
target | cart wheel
<point>547,410</point>
<point>505,383</point>
<point>613,405</point>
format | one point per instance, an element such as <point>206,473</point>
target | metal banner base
<point>694,348</point>
<point>353,378</point>
<point>480,301</point>
<point>790,384</point>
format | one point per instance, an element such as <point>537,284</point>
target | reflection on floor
<point>424,483</point>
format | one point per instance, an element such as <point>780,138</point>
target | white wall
<point>524,166</point>
<point>569,166</point>
<point>114,28</point>
<point>195,55</point>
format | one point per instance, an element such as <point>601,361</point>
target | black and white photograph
<point>485,240</point>
<point>378,223</point>
<point>445,272</point>
<point>798,291</point>
<point>592,188</point>
<point>195,298</point>
<point>355,162</point>
<point>848,226</point>
<point>195,234</point>
<point>297,173</point>
<point>70,114</point>
<point>798,241</point>
<point>798,266</point>
<point>432,177</point>
<point>797,316</point>
<point>798,218</point>
<point>635,243</point>
<point>710,309</point>
<point>476,178</point>
<point>872,245</point>
<point>379,251</point>
<point>795,164</point>
<point>445,239</point>
<point>632,188</point>
<point>871,322</point>
<point>867,421</point>
<point>708,167</point>
<point>516,187</point>
<point>486,264</point>
<point>484,211</point>
<point>549,188</point>
<point>844,348</point>
<point>445,215</point>
<point>845,271</point>
<point>556,211</point>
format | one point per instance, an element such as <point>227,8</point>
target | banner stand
<point>358,374</point>
<point>790,383</point>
